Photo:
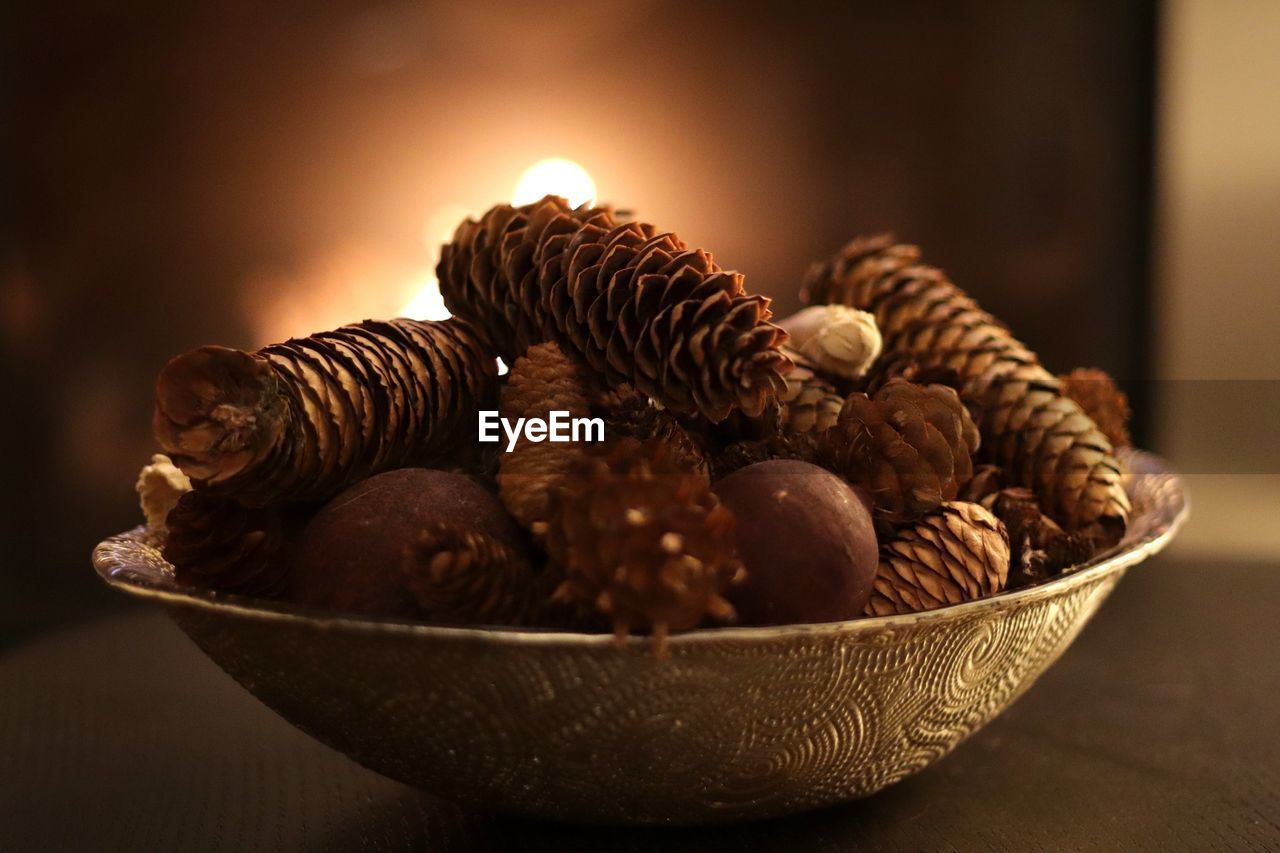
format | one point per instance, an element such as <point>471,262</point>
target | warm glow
<point>556,176</point>
<point>427,303</point>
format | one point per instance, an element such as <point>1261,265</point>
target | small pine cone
<point>1102,400</point>
<point>634,415</point>
<point>1043,438</point>
<point>1039,548</point>
<point>638,306</point>
<point>986,480</point>
<point>910,446</point>
<point>644,542</point>
<point>959,552</point>
<point>464,577</point>
<point>800,446</point>
<point>542,380</point>
<point>298,421</point>
<point>809,404</point>
<point>216,543</point>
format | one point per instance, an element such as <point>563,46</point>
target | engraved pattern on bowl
<point>739,723</point>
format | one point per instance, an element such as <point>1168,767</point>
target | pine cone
<point>986,480</point>
<point>1102,400</point>
<point>545,379</point>
<point>464,577</point>
<point>634,415</point>
<point>800,446</point>
<point>644,542</point>
<point>303,419</point>
<point>959,552</point>
<point>910,446</point>
<point>216,543</point>
<point>638,306</point>
<point>1039,548</point>
<point>1041,437</point>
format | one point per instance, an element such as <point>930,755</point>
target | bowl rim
<point>127,562</point>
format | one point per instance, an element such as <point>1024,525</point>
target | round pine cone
<point>634,415</point>
<point>216,543</point>
<point>463,576</point>
<point>959,552</point>
<point>643,541</point>
<point>910,446</point>
<point>639,306</point>
<point>1102,400</point>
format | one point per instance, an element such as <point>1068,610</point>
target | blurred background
<point>1103,176</point>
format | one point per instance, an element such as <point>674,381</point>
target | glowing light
<point>427,303</point>
<point>555,176</point>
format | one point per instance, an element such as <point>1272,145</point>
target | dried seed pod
<point>959,552</point>
<point>1039,548</point>
<point>300,420</point>
<point>1102,400</point>
<point>463,576</point>
<point>216,543</point>
<point>160,485</point>
<point>643,541</point>
<point>835,339</point>
<point>1042,438</point>
<point>639,306</point>
<point>910,446</point>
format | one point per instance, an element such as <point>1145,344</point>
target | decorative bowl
<point>739,723</point>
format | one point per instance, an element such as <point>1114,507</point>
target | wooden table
<point>1159,729</point>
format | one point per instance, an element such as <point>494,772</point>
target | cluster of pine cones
<point>984,469</point>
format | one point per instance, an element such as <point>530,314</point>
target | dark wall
<point>184,174</point>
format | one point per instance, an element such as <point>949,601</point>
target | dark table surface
<point>1159,729</point>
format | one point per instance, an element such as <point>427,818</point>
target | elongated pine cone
<point>542,380</point>
<point>215,542</point>
<point>300,420</point>
<point>910,446</point>
<point>1043,438</point>
<point>639,306</point>
<point>644,542</point>
<point>959,552</point>
<point>1102,400</point>
<point>464,577</point>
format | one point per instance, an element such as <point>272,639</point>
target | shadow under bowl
<point>739,723</point>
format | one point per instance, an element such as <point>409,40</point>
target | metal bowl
<point>739,723</point>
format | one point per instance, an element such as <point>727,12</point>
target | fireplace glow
<point>553,176</point>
